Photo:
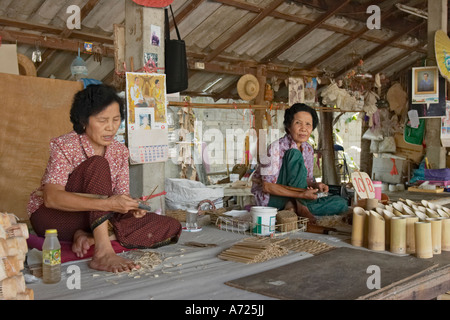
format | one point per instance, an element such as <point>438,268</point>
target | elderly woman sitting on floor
<point>90,160</point>
<point>289,163</point>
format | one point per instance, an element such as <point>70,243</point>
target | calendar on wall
<point>147,117</point>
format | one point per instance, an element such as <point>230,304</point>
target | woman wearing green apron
<point>289,162</point>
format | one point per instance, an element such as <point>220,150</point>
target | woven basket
<point>287,221</point>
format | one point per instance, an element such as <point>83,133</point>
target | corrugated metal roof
<point>212,23</point>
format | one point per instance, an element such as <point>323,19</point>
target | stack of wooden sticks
<point>259,249</point>
<point>251,250</point>
<point>13,250</point>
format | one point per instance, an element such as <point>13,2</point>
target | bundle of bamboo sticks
<point>314,247</point>
<point>252,251</point>
<point>13,250</point>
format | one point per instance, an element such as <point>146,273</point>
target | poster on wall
<point>147,117</point>
<point>425,85</point>
<point>296,91</point>
<point>445,127</point>
<point>427,109</point>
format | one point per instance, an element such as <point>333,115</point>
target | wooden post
<point>437,20</point>
<point>261,75</point>
<point>138,19</point>
<point>329,175</point>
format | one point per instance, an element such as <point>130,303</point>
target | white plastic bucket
<point>263,219</point>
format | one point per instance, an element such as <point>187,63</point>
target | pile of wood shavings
<point>148,261</point>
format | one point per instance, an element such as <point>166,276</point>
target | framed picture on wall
<point>429,109</point>
<point>425,85</point>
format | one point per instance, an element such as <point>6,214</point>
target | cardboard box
<point>382,167</point>
<point>406,150</point>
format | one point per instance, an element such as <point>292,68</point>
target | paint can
<point>264,219</point>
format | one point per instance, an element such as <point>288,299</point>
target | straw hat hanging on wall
<point>248,87</point>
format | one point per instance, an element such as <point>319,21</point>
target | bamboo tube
<point>359,227</point>
<point>11,266</point>
<point>419,213</point>
<point>27,295</point>
<point>387,215</point>
<point>5,222</point>
<point>376,235</point>
<point>398,235</point>
<point>432,214</point>
<point>371,204</point>
<point>2,233</point>
<point>408,211</point>
<point>410,234</point>
<point>18,230</point>
<point>8,289</point>
<point>436,234</point>
<point>445,240</point>
<point>424,247</point>
<point>442,213</point>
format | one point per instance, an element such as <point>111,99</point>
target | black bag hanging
<point>175,59</point>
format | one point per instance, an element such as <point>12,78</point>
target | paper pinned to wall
<point>147,117</point>
<point>8,59</point>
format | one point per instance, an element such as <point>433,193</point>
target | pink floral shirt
<point>67,152</point>
<point>270,165</point>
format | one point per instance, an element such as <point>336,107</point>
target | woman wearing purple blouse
<point>289,162</point>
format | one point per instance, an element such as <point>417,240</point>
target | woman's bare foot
<point>109,261</point>
<point>82,241</point>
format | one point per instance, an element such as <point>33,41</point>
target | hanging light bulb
<point>37,55</point>
<point>78,66</point>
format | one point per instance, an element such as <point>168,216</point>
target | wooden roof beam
<point>345,43</point>
<point>243,30</point>
<point>300,20</point>
<point>51,42</point>
<point>87,8</point>
<point>378,48</point>
<point>192,5</point>
<point>392,61</point>
<point>305,31</point>
<point>55,31</point>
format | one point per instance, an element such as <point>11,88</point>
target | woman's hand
<point>123,203</point>
<point>322,187</point>
<point>310,194</point>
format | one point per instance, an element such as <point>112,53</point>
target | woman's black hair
<point>298,107</point>
<point>91,101</point>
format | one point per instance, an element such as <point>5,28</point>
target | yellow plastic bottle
<point>51,257</point>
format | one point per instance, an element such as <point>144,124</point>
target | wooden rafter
<point>192,5</point>
<point>243,30</point>
<point>345,43</point>
<point>305,31</point>
<point>52,42</point>
<point>87,8</point>
<point>47,29</point>
<point>305,21</point>
<point>378,48</point>
<point>392,61</point>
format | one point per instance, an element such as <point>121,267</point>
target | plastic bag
<point>374,134</point>
<point>183,193</point>
<point>387,145</point>
<point>415,135</point>
<point>374,146</point>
